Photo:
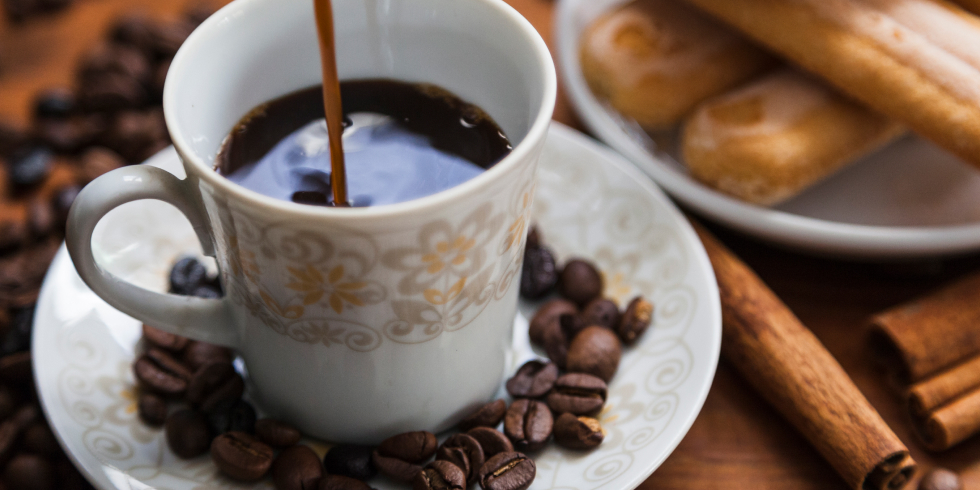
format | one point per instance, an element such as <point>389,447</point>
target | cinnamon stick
<point>927,395</point>
<point>795,373</point>
<point>927,335</point>
<point>950,424</point>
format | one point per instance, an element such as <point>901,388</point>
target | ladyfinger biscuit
<point>768,140</point>
<point>881,53</point>
<point>654,60</point>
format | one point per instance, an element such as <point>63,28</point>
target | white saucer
<point>589,203</point>
<point>908,200</point>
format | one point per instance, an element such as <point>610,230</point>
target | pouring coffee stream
<point>332,106</point>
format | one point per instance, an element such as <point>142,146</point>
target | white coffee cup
<point>354,324</point>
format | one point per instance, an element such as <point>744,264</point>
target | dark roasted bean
<point>491,440</point>
<point>556,345</point>
<point>38,439</point>
<point>27,471</point>
<point>11,137</point>
<point>463,451</point>
<point>571,324</point>
<point>580,282</point>
<point>532,380</point>
<point>164,340</point>
<point>115,59</point>
<point>133,30</point>
<point>110,91</point>
<point>539,273</point>
<point>507,471</point>
<point>578,432</point>
<point>159,372</point>
<point>12,428</point>
<point>152,409</point>
<point>207,379</point>
<point>133,133</point>
<point>29,167</point>
<point>341,482</point>
<point>547,317</point>
<point>62,135</point>
<point>241,456</point>
<point>8,402</point>
<point>351,460</point>
<point>440,475</point>
<point>207,291</point>
<point>602,312</point>
<point>941,479</point>
<point>394,468</point>
<point>54,103</point>
<point>187,275</point>
<point>227,392</point>
<point>636,319</point>
<point>297,468</point>
<point>577,393</point>
<point>16,368</point>
<point>197,354</point>
<point>232,416</point>
<point>187,433</point>
<point>488,415</point>
<point>412,447</point>
<point>596,351</point>
<point>528,424</point>
<point>279,434</point>
<point>18,336</point>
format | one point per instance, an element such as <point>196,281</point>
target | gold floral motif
<point>291,312</point>
<point>438,297</point>
<point>314,286</point>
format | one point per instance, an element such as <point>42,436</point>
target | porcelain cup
<point>353,324</point>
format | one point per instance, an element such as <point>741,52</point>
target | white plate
<point>909,200</point>
<point>589,203</point>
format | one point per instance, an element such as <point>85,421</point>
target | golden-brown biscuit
<point>767,141</point>
<point>654,60</point>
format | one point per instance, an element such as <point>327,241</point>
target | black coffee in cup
<point>402,141</point>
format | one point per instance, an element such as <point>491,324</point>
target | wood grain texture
<point>738,441</point>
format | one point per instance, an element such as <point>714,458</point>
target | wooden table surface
<point>738,441</point>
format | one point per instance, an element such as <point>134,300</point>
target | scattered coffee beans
<point>941,479</point>
<point>440,475</point>
<point>232,416</point>
<point>164,340</point>
<point>639,314</point>
<point>400,456</point>
<point>577,393</point>
<point>547,317</point>
<point>578,432</point>
<point>187,433</point>
<point>488,415</point>
<point>241,456</point>
<point>160,373</point>
<point>528,424</point>
<point>539,274</point>
<point>297,468</point>
<point>507,471</point>
<point>580,282</point>
<point>463,451</point>
<point>602,312</point>
<point>596,351</point>
<point>341,482</point>
<point>491,440</point>
<point>152,409</point>
<point>351,460</point>
<point>534,379</point>
<point>278,434</point>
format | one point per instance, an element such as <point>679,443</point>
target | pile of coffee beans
<point>18,11</point>
<point>193,390</point>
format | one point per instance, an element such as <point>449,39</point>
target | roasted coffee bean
<point>16,369</point>
<point>241,456</point>
<point>580,282</point>
<point>507,471</point>
<point>491,440</point>
<point>38,439</point>
<point>232,416</point>
<point>187,275</point>
<point>596,351</point>
<point>164,340</point>
<point>197,354</point>
<point>207,291</point>
<point>351,460</point>
<point>341,482</point>
<point>548,317</point>
<point>152,409</point>
<point>571,324</point>
<point>556,345</point>
<point>578,432</point>
<point>133,133</point>
<point>394,468</point>
<point>539,273</point>
<point>224,393</point>
<point>98,160</point>
<point>207,379</point>
<point>159,372</point>
<point>528,424</point>
<point>440,475</point>
<point>413,447</point>
<point>279,434</point>
<point>62,135</point>
<point>463,451</point>
<point>28,168</point>
<point>636,319</point>
<point>532,380</point>
<point>109,92</point>
<point>27,471</point>
<point>187,433</point>
<point>602,312</point>
<point>940,479</point>
<point>12,428</point>
<point>115,59</point>
<point>57,103</point>
<point>577,393</point>
<point>297,468</point>
<point>488,415</point>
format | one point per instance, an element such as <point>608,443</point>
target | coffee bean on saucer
<point>232,416</point>
<point>507,471</point>
<point>571,324</point>
<point>596,351</point>
<point>38,439</point>
<point>341,482</point>
<point>539,273</point>
<point>197,354</point>
<point>532,380</point>
<point>488,415</point>
<point>580,282</point>
<point>413,447</point>
<point>28,471</point>
<point>164,340</point>
<point>440,475</point>
<point>547,316</point>
<point>602,312</point>
<point>353,460</point>
<point>241,456</point>
<point>394,468</point>
<point>528,424</point>
<point>280,434</point>
<point>465,452</point>
<point>578,432</point>
<point>491,440</point>
<point>636,319</point>
<point>159,372</point>
<point>187,275</point>
<point>152,409</point>
<point>187,433</point>
<point>297,468</point>
<point>29,167</point>
<point>56,103</point>
<point>577,393</point>
<point>556,345</point>
<point>941,479</point>
<point>207,379</point>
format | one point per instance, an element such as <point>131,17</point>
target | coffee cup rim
<point>535,135</point>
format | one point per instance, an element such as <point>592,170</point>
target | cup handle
<point>202,319</point>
